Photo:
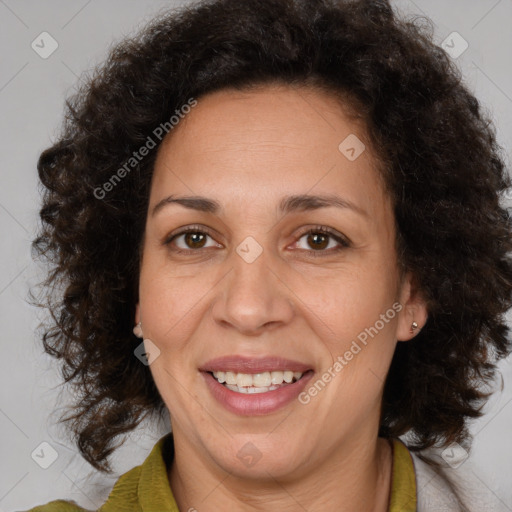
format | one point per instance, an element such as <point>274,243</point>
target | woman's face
<point>250,285</point>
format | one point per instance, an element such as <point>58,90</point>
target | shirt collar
<point>403,480</point>
<point>154,490</point>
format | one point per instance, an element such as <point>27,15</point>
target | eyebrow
<point>288,204</point>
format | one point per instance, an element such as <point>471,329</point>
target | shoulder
<point>58,506</point>
<point>123,498</point>
<point>452,489</point>
<point>435,490</point>
<point>144,487</point>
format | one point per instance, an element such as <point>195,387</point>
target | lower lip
<point>256,404</point>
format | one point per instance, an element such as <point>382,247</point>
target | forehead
<point>258,145</point>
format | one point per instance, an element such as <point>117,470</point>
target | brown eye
<point>194,240</point>
<point>322,240</point>
<point>190,240</point>
<point>318,240</point>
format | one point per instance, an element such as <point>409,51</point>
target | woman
<point>279,222</point>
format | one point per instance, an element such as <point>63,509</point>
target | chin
<point>261,457</point>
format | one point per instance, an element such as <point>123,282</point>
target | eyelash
<point>344,242</point>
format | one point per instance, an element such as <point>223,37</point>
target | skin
<point>247,150</point>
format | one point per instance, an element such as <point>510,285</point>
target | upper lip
<point>243,364</point>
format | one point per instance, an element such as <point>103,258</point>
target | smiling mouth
<point>252,383</point>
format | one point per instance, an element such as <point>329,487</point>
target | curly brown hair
<point>440,159</point>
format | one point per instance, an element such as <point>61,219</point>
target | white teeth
<point>261,380</point>
<point>257,381</point>
<point>277,377</point>
<point>251,390</point>
<point>288,376</point>
<point>230,378</point>
<point>243,380</point>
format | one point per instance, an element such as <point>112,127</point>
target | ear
<point>414,309</point>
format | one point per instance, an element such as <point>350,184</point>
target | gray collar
<point>445,489</point>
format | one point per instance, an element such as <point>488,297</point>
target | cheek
<point>355,315</point>
<point>349,302</point>
<point>358,346</point>
<point>172,303</point>
<point>171,308</point>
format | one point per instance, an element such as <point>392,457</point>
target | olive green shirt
<point>146,488</point>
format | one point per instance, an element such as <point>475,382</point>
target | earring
<point>137,330</point>
<point>414,326</point>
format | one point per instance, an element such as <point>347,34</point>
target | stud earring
<point>137,330</point>
<point>414,326</point>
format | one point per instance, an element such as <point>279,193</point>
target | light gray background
<point>32,92</point>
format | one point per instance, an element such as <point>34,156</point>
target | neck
<point>358,478</point>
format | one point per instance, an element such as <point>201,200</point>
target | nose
<point>253,297</point>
